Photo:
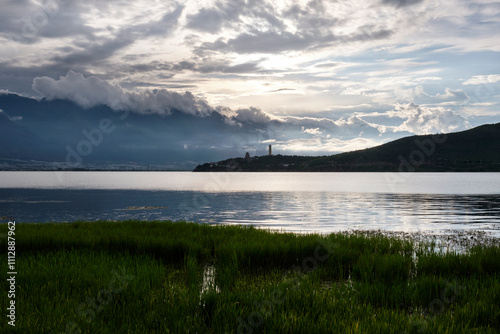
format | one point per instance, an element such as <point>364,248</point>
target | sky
<point>377,69</point>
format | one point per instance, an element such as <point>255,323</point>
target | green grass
<point>151,277</point>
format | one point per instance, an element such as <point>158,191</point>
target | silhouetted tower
<point>247,156</point>
<point>270,150</point>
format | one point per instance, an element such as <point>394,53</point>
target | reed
<point>151,277</point>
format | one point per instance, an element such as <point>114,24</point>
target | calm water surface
<point>302,202</point>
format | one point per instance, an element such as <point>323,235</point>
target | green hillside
<point>474,150</point>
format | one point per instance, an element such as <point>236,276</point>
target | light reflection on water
<point>397,183</point>
<point>430,202</point>
<point>287,211</point>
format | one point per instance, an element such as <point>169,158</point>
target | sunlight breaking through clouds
<point>316,65</point>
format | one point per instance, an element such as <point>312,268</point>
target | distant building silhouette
<point>270,150</point>
<point>247,156</point>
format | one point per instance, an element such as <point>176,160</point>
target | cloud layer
<point>422,120</point>
<point>92,91</point>
<point>295,134</point>
<point>309,68</point>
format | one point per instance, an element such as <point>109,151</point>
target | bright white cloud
<point>315,131</point>
<point>92,91</point>
<point>425,120</point>
<point>308,146</point>
<point>482,79</point>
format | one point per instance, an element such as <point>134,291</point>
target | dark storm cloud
<point>205,66</point>
<point>94,52</point>
<point>313,18</point>
<point>327,65</point>
<point>28,22</point>
<point>132,85</point>
<point>276,42</point>
<point>401,3</point>
<point>184,65</point>
<point>235,69</point>
<point>169,70</point>
<point>273,39</point>
<point>207,20</point>
<point>20,78</point>
<point>211,20</point>
<point>262,42</point>
<point>315,28</point>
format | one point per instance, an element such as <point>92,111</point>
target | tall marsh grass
<point>69,280</point>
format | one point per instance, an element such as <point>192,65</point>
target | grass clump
<point>165,277</point>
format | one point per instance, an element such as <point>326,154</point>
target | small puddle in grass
<point>208,282</point>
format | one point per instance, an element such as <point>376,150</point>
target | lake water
<point>300,202</point>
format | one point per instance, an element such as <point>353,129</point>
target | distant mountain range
<point>63,135</point>
<point>60,134</point>
<point>474,150</point>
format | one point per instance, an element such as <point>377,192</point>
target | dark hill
<point>477,149</point>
